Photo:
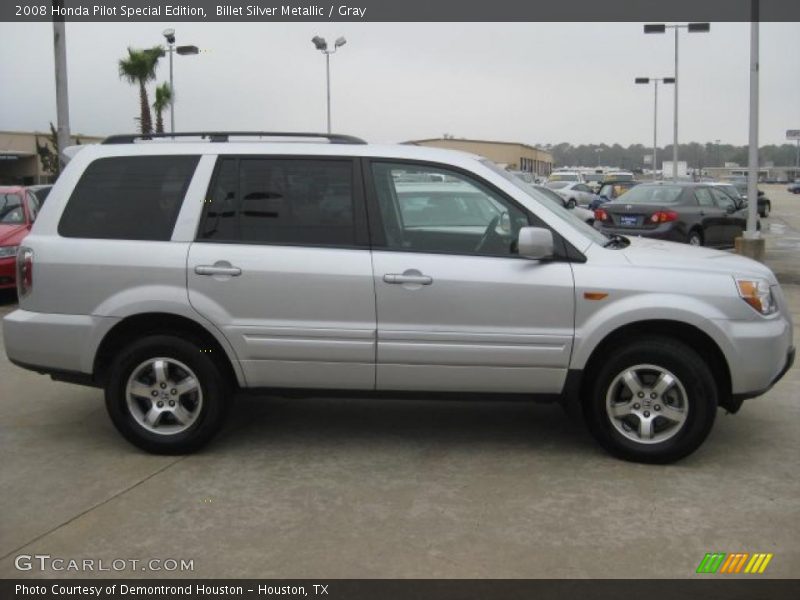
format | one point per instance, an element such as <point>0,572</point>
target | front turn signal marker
<point>594,295</point>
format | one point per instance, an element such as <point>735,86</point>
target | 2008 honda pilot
<point>173,271</point>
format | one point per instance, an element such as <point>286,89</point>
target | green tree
<point>163,99</point>
<point>48,152</point>
<point>138,68</point>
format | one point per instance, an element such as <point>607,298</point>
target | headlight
<point>6,251</point>
<point>756,293</point>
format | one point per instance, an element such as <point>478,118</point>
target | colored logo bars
<point>737,562</point>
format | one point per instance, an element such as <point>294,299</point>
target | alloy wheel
<point>164,396</point>
<point>647,404</point>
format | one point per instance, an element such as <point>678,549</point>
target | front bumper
<point>790,356</point>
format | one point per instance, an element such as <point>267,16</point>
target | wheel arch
<point>678,330</point>
<point>138,325</point>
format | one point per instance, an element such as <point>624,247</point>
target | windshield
<point>563,177</point>
<point>557,185</point>
<point>652,194</point>
<point>11,211</point>
<point>543,200</point>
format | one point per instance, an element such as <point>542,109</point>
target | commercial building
<point>765,173</point>
<point>19,161</point>
<point>511,155</point>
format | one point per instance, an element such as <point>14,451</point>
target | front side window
<point>128,198</point>
<point>703,197</point>
<point>281,201</point>
<point>723,200</point>
<point>448,213</point>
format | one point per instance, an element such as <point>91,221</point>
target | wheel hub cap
<point>647,404</point>
<point>163,395</point>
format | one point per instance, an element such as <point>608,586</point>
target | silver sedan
<point>574,192</point>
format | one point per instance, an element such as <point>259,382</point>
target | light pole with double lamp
<point>169,34</point>
<point>322,45</point>
<point>691,28</point>
<point>655,80</point>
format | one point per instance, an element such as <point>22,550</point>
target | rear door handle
<point>403,278</point>
<point>218,269</point>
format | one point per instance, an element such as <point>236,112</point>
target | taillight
<point>24,271</point>
<point>600,215</point>
<point>664,216</point>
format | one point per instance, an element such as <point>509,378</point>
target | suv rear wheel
<point>165,395</point>
<point>653,402</point>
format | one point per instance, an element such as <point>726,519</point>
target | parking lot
<point>359,488</point>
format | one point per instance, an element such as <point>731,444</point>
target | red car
<point>18,210</point>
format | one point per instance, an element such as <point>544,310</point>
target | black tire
<point>695,234</point>
<point>571,203</point>
<point>764,212</point>
<point>212,384</point>
<point>690,370</point>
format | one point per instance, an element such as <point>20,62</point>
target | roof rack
<point>223,136</point>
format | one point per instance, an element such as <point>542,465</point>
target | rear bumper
<point>666,231</point>
<point>51,342</point>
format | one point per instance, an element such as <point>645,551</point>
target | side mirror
<point>535,243</point>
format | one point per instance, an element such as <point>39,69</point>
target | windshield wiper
<point>616,240</point>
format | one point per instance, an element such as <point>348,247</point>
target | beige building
<point>512,155</point>
<point>19,161</point>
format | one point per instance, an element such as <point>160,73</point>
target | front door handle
<point>218,269</point>
<point>408,278</point>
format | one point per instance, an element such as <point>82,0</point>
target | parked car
<point>584,214</point>
<point>611,191</point>
<point>18,210</point>
<point>695,213</point>
<point>794,187</point>
<point>735,191</point>
<point>172,273</point>
<point>740,187</point>
<point>40,191</point>
<point>614,176</point>
<point>573,176</point>
<point>575,193</point>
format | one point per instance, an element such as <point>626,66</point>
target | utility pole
<point>62,92</point>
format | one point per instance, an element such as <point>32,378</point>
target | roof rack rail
<point>223,136</point>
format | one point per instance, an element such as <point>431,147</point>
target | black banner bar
<point>749,587</point>
<point>399,11</point>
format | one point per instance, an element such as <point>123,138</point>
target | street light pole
<point>655,80</point>
<point>169,34</point>
<point>691,28</point>
<point>675,119</point>
<point>322,45</point>
<point>328,86</point>
<point>752,171</point>
<point>62,92</point>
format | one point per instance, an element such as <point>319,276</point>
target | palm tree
<point>140,67</point>
<point>163,100</point>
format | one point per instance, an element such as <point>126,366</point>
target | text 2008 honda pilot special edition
<point>173,271</point>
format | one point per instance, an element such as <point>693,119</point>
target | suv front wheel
<point>653,401</point>
<point>166,395</point>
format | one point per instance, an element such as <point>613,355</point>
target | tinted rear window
<point>128,198</point>
<point>259,200</point>
<point>652,194</point>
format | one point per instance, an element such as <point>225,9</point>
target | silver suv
<point>172,272</point>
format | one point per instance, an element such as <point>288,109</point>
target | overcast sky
<point>527,82</point>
